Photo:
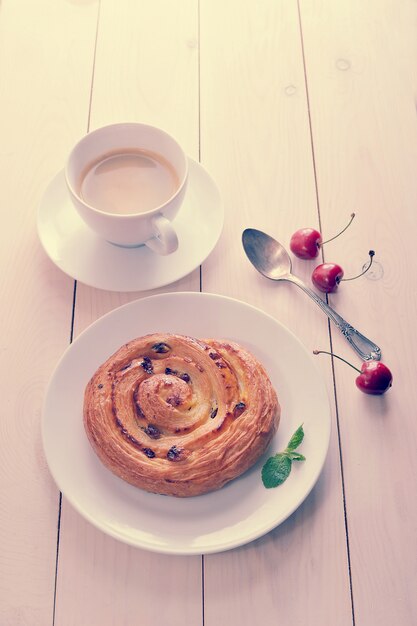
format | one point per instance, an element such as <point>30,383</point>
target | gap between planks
<point>342,475</point>
<point>74,299</point>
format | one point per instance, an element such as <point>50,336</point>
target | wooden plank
<point>361,68</point>
<point>255,139</point>
<point>44,109</point>
<point>146,70</point>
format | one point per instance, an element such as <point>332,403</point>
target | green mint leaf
<point>296,439</point>
<point>296,456</point>
<point>276,470</point>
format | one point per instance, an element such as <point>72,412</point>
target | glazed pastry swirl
<point>179,416</point>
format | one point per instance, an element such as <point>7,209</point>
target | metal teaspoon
<point>271,259</point>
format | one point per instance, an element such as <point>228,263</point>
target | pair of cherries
<point>306,243</point>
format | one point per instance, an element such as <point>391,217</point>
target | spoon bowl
<point>272,260</point>
<point>266,254</point>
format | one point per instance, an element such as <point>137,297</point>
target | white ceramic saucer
<point>77,251</point>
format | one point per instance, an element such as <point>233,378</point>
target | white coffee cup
<point>151,227</point>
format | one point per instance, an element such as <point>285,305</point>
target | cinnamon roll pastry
<point>180,416</point>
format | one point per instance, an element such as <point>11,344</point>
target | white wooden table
<point>302,112</point>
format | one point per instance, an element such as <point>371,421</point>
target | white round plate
<point>79,252</point>
<point>239,512</point>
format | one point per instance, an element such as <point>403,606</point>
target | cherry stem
<point>371,256</point>
<point>342,231</point>
<point>337,357</point>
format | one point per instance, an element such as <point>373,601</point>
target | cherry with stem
<point>305,243</point>
<point>327,276</point>
<point>374,378</point>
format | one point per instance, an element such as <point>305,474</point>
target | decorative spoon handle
<point>363,346</point>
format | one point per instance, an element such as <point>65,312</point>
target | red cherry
<point>305,243</point>
<point>375,378</point>
<point>327,276</point>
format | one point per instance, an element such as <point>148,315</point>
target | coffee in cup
<point>127,182</point>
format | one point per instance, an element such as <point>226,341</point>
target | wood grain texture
<point>228,80</point>
<point>37,126</point>
<point>253,105</point>
<point>361,68</point>
<point>146,70</point>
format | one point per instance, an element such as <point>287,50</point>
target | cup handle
<point>165,240</point>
